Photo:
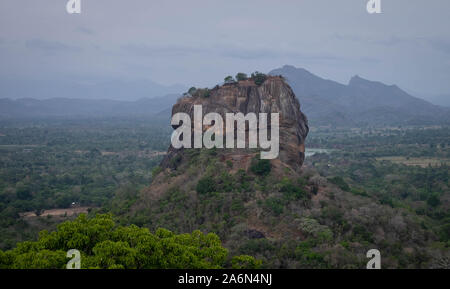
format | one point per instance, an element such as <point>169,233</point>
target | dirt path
<point>56,212</point>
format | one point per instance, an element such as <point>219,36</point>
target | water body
<point>310,152</point>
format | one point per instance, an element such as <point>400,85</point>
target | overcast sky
<point>198,42</point>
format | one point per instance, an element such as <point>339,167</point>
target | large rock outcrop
<point>267,213</point>
<point>274,95</point>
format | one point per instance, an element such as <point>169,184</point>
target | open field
<point>57,212</point>
<point>411,161</point>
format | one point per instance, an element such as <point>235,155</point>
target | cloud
<point>84,30</point>
<point>50,46</point>
<point>266,53</point>
<point>228,51</point>
<point>440,45</point>
<point>168,50</point>
<point>370,60</point>
<point>392,40</point>
<point>199,41</point>
<point>249,53</point>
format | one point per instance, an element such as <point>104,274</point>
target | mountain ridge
<point>110,88</point>
<point>326,102</point>
<point>354,102</point>
<point>76,107</point>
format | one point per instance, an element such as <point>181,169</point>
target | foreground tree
<point>102,244</point>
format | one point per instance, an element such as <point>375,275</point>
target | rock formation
<point>273,96</point>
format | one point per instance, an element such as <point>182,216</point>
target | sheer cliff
<point>273,96</point>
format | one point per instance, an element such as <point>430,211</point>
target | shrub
<point>359,192</point>
<point>444,233</point>
<point>155,171</point>
<point>206,93</point>
<point>245,262</point>
<point>313,228</point>
<point>192,90</point>
<point>241,76</point>
<point>291,191</point>
<point>315,189</point>
<point>206,185</point>
<point>213,151</point>
<point>360,233</point>
<point>308,257</point>
<point>434,200</point>
<point>202,92</point>
<point>259,77</point>
<point>23,193</point>
<point>229,79</point>
<point>275,205</point>
<point>175,161</point>
<point>339,181</point>
<point>254,246</point>
<point>260,167</point>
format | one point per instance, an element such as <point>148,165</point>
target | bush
<point>259,77</point>
<point>360,233</point>
<point>260,167</point>
<point>245,262</point>
<point>312,228</point>
<point>275,205</point>
<point>241,76</point>
<point>206,185</point>
<point>192,90</point>
<point>254,246</point>
<point>339,181</point>
<point>434,200</point>
<point>309,258</point>
<point>444,234</point>
<point>201,92</point>
<point>229,79</point>
<point>155,171</point>
<point>175,161</point>
<point>291,191</point>
<point>23,193</point>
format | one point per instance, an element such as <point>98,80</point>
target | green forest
<point>384,188</point>
<point>104,245</point>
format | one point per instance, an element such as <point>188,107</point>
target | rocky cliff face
<point>274,95</point>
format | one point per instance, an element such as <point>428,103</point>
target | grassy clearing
<point>415,161</point>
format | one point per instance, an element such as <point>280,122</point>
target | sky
<point>199,42</point>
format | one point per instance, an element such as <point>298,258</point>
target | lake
<point>310,152</point>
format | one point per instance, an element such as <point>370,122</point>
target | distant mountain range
<point>73,107</point>
<point>325,102</point>
<point>359,102</point>
<point>65,87</point>
<point>438,99</point>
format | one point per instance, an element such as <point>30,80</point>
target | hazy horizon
<point>197,43</point>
